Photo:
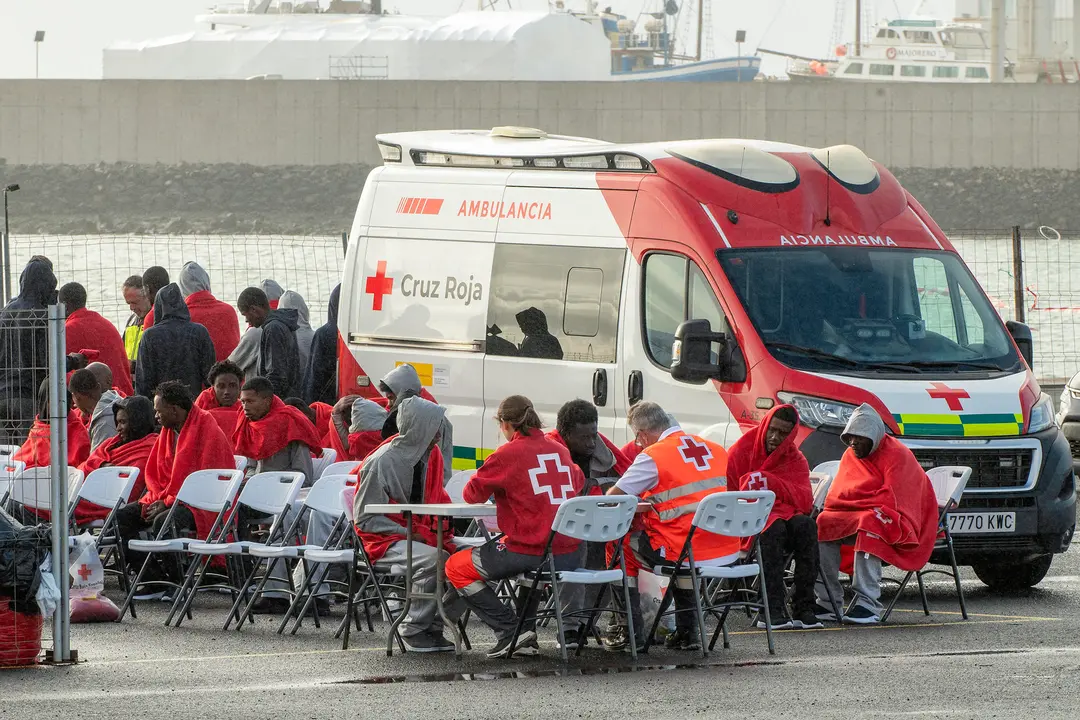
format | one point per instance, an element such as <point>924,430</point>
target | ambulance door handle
<point>635,388</point>
<point>599,387</point>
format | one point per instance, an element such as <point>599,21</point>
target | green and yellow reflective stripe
<point>969,425</point>
<point>469,458</point>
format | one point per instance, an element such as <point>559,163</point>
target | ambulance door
<point>420,294</point>
<point>666,288</point>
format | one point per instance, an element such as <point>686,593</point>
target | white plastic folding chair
<point>345,467</point>
<point>32,489</point>
<point>209,490</point>
<point>821,480</point>
<point>268,494</point>
<point>8,470</point>
<point>319,464</point>
<point>107,488</point>
<point>731,514</point>
<point>949,483</point>
<point>241,462</point>
<point>600,519</point>
<point>7,451</point>
<point>477,534</point>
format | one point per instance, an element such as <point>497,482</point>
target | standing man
<point>24,349</point>
<point>765,458</point>
<point>154,279</point>
<point>674,471</point>
<point>217,317</point>
<point>139,304</point>
<point>95,402</point>
<point>175,348</point>
<point>279,357</point>
<point>86,329</point>
<point>320,378</point>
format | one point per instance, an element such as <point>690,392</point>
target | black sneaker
<point>427,642</point>
<point>780,621</point>
<point>807,620</point>
<point>270,606</point>
<point>683,639</point>
<point>572,640</point>
<point>529,649</point>
<point>859,615</point>
<point>822,612</point>
<point>502,647</point>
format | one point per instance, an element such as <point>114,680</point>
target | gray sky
<point>77,30</point>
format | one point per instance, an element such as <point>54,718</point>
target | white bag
<point>651,587</point>
<point>48,594</point>
<point>86,601</point>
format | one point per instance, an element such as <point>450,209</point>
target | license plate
<point>991,522</point>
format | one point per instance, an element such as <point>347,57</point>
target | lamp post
<point>740,38</point>
<point>39,37</point>
<point>5,276</point>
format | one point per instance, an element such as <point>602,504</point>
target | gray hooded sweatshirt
<point>193,279</point>
<point>389,473</point>
<point>246,354</point>
<point>304,333</point>
<point>865,422</point>
<point>367,416</point>
<point>405,383</point>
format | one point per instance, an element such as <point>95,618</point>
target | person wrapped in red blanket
<point>408,469</point>
<point>189,441</point>
<point>35,451</point>
<point>135,438</point>
<point>87,329</point>
<point>881,499</point>
<point>277,436</point>
<point>222,398</point>
<point>356,427</point>
<point>765,458</point>
<point>219,318</point>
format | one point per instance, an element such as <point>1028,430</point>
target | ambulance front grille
<point>990,469</point>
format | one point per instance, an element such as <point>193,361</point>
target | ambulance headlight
<point>1042,415</point>
<point>817,412</point>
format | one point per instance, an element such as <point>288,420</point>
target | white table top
<point>459,510</point>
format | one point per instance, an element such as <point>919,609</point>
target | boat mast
<point>700,24</point>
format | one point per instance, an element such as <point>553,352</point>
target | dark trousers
<point>129,525</point>
<point>797,537</point>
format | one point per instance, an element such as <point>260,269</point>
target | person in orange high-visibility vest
<point>674,471</point>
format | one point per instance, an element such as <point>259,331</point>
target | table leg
<point>407,600</point>
<point>440,588</point>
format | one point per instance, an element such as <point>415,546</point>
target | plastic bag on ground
<point>87,599</point>
<point>20,636</point>
<point>22,550</point>
<point>651,587</point>
<point>48,594</point>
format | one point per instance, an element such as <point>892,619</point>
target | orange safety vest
<point>688,469</point>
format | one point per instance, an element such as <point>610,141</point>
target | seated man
<point>674,471</point>
<point>765,458</point>
<point>576,428</point>
<point>356,427</point>
<point>882,501</point>
<point>35,452</point>
<point>277,436</point>
<point>189,441</point>
<point>222,398</point>
<point>526,510</point>
<point>95,402</point>
<point>403,382</point>
<point>408,468</point>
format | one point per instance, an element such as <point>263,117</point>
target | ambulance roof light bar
<point>618,162</point>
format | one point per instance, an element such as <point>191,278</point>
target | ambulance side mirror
<point>693,357</point>
<point>1021,335</point>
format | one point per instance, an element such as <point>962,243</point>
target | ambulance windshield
<point>854,310</point>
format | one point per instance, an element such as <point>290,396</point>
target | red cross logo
<point>882,517</point>
<point>953,396</point>
<point>84,572</point>
<point>555,480</point>
<point>757,481</point>
<point>378,285</point>
<point>692,452</point>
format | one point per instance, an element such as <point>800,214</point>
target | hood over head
<point>532,321</point>
<point>140,412</point>
<point>273,291</point>
<point>37,283</point>
<point>291,300</point>
<point>291,318</point>
<point>169,303</point>
<point>332,308</point>
<point>193,279</point>
<point>418,423</point>
<point>367,416</point>
<point>865,422</point>
<point>403,382</point>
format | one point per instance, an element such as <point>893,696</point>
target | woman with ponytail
<point>527,478</point>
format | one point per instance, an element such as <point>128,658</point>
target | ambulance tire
<point>1013,576</point>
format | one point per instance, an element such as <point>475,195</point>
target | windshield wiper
<point>814,353</point>
<point>955,363</point>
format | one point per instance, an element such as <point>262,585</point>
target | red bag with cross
<point>87,600</point>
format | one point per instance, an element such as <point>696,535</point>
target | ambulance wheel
<point>1013,576</point>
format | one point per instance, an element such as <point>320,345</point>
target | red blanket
<point>226,417</point>
<point>631,450</point>
<point>887,502</point>
<point>621,461</point>
<point>35,451</point>
<point>218,318</point>
<point>363,443</point>
<point>87,329</point>
<point>114,453</point>
<point>425,527</point>
<point>200,446</point>
<point>785,472</point>
<point>284,424</point>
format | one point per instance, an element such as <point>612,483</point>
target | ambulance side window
<point>676,290</point>
<point>555,303</point>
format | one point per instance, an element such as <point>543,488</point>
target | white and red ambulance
<point>515,262</point>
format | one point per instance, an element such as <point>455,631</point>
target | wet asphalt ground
<point>1018,656</point>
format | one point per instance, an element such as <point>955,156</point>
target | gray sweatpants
<point>422,615</point>
<point>866,582</point>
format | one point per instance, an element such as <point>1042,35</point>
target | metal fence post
<point>344,243</point>
<point>58,461</point>
<point>1018,274</point>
